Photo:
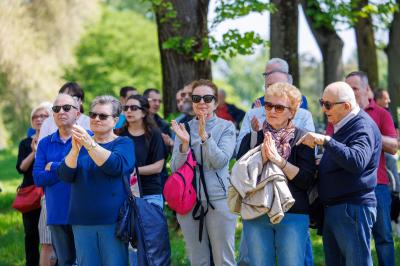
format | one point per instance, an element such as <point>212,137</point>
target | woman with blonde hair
<point>284,242</point>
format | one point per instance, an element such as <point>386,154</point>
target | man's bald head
<point>342,93</point>
<point>338,100</point>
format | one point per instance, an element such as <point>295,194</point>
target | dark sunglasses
<point>65,107</point>
<point>93,115</point>
<point>328,105</point>
<point>132,107</point>
<point>279,108</point>
<point>206,98</point>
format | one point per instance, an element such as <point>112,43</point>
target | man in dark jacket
<point>347,177</point>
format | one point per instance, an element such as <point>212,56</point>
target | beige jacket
<point>258,189</point>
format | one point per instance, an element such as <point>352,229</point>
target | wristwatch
<point>92,146</point>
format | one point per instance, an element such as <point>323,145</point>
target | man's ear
<point>347,106</point>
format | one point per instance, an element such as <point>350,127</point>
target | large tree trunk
<point>329,42</point>
<point>284,35</point>
<point>178,68</point>
<point>393,54</point>
<point>366,48</point>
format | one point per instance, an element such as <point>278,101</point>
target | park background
<point>164,44</point>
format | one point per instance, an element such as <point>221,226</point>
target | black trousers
<point>31,222</point>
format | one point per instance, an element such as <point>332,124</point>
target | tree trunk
<point>178,68</point>
<point>393,54</point>
<point>329,42</point>
<point>366,48</point>
<point>284,35</point>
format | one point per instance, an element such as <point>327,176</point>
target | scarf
<point>282,137</point>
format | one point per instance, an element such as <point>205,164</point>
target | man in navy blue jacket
<point>347,177</point>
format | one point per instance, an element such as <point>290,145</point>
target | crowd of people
<point>81,160</point>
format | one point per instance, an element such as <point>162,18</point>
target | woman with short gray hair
<point>95,167</point>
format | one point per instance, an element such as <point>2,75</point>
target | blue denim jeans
<point>286,240</point>
<point>382,229</point>
<point>347,234</point>
<point>157,200</point>
<point>97,245</point>
<point>63,243</point>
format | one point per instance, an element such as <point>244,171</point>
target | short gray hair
<point>344,93</point>
<point>108,99</point>
<point>362,75</point>
<point>74,101</point>
<point>283,65</point>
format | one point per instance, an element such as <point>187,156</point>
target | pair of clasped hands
<point>80,138</point>
<point>182,133</point>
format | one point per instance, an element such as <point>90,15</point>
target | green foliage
<point>120,50</point>
<point>232,9</point>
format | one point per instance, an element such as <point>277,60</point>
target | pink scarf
<point>282,137</point>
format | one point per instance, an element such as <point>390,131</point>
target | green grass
<point>11,229</point>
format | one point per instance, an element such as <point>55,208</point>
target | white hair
<point>61,95</point>
<point>344,93</point>
<point>42,106</point>
<point>283,65</point>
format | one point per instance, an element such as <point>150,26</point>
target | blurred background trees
<point>104,45</point>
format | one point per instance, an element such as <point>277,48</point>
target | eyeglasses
<point>183,94</point>
<point>328,105</point>
<point>132,107</point>
<point>206,98</point>
<point>154,100</point>
<point>65,107</point>
<point>279,108</point>
<point>93,115</point>
<point>39,116</point>
<point>266,74</point>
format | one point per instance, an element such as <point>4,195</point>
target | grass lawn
<point>11,230</point>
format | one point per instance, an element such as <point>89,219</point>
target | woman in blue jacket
<point>96,166</point>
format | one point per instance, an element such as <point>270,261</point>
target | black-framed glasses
<point>132,107</point>
<point>206,98</point>
<point>266,74</point>
<point>328,105</point>
<point>93,115</point>
<point>279,108</point>
<point>65,107</point>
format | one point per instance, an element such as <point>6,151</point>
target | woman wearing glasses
<point>212,140</point>
<point>26,158</point>
<point>284,242</point>
<point>149,146</point>
<point>95,167</point>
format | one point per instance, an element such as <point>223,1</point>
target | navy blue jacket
<point>348,168</point>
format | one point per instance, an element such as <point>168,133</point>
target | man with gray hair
<point>50,152</point>
<point>347,177</point>
<point>278,65</point>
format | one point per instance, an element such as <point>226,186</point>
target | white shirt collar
<point>346,119</point>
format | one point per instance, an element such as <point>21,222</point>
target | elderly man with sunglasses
<point>71,88</point>
<point>347,177</point>
<point>50,152</point>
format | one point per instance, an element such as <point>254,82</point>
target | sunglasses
<point>93,115</point>
<point>206,98</point>
<point>132,107</point>
<point>279,108</point>
<point>65,107</point>
<point>328,105</point>
<point>39,116</point>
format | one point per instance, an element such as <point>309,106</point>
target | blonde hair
<point>45,106</point>
<point>287,91</point>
